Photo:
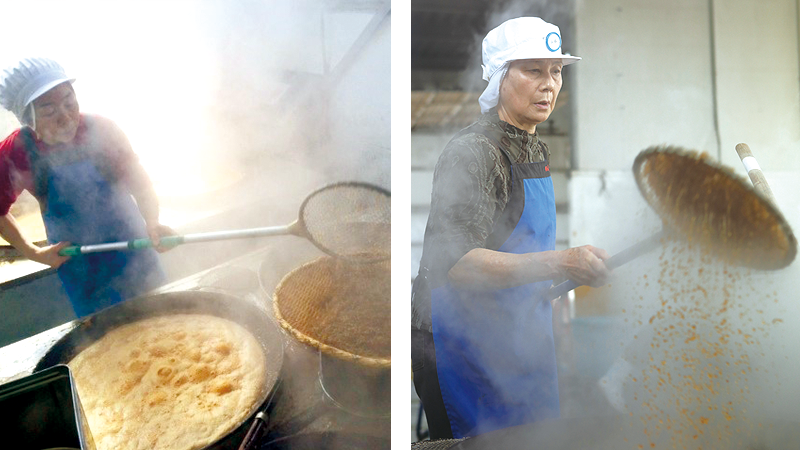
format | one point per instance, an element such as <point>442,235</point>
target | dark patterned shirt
<point>471,187</point>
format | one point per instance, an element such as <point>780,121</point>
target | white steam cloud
<point>278,97</point>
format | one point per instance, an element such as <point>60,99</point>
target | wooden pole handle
<point>754,171</point>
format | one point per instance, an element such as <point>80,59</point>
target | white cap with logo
<point>520,38</point>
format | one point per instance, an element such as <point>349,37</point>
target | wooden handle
<point>754,171</point>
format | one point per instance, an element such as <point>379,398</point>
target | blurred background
<point>237,110</point>
<point>701,74</point>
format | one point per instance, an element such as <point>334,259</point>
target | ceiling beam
<point>449,6</point>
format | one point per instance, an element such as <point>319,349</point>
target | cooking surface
<point>303,415</point>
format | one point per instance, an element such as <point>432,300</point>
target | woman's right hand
<point>49,255</point>
<point>584,265</point>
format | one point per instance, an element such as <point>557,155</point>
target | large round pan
<point>240,311</point>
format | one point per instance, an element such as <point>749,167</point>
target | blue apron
<point>80,204</point>
<point>495,352</point>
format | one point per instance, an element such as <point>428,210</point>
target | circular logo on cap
<point>553,41</point>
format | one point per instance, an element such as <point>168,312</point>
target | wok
<point>624,432</point>
<point>240,311</point>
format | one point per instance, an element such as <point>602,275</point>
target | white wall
<point>758,90</point>
<point>656,72</point>
<point>649,72</point>
<point>645,79</point>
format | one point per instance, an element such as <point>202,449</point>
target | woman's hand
<point>156,232</point>
<point>584,265</point>
<point>48,255</point>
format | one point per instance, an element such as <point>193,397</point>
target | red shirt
<point>15,173</point>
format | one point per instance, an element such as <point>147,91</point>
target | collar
<point>510,130</point>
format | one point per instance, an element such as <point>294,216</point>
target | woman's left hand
<point>156,232</point>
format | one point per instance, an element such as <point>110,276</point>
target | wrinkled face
<point>528,92</point>
<point>57,115</point>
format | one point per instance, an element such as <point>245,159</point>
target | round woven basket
<point>341,308</point>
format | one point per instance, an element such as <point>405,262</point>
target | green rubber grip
<point>166,241</point>
<point>70,251</point>
<point>136,244</point>
<point>170,241</point>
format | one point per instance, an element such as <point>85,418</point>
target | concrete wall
<point>703,75</point>
<point>758,93</point>
<point>645,79</point>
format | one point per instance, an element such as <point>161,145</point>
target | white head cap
<point>23,83</point>
<point>520,38</point>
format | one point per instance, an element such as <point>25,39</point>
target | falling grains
<point>705,320</point>
<point>700,357</point>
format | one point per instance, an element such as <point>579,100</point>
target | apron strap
<point>38,167</point>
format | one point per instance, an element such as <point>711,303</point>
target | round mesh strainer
<point>340,307</point>
<point>708,204</point>
<point>349,220</point>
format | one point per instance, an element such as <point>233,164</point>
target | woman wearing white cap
<point>88,181</point>
<point>482,341</point>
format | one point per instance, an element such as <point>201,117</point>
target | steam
<point>205,83</point>
<point>706,355</point>
<point>227,104</point>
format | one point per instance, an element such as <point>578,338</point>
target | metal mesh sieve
<point>349,220</point>
<point>709,205</point>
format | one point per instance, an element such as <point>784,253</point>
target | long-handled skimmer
<point>350,220</point>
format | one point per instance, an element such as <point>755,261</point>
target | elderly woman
<point>483,354</point>
<point>88,182</point>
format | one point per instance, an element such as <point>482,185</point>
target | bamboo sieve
<point>340,307</point>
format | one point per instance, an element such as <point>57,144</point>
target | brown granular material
<point>339,304</point>
<point>707,204</point>
<point>691,386</point>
